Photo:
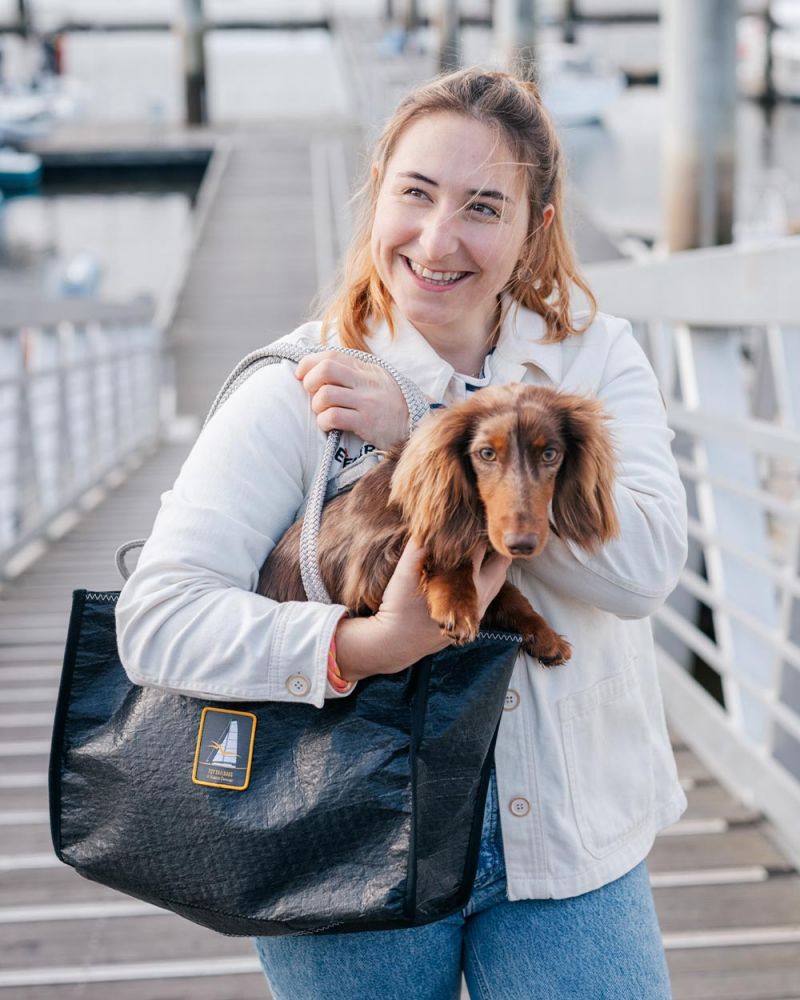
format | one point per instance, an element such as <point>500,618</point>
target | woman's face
<point>450,225</point>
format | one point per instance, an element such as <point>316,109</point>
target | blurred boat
<point>33,112</point>
<point>752,41</point>
<point>576,84</point>
<point>19,171</point>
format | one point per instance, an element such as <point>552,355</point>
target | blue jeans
<point>602,945</point>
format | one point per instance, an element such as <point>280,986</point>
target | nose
<point>439,237</point>
<point>520,545</point>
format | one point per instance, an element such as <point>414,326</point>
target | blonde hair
<point>542,279</point>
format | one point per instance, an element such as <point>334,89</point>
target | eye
<point>487,211</point>
<point>488,454</point>
<point>417,193</point>
<point>550,455</point>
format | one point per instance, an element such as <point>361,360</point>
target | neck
<point>465,352</point>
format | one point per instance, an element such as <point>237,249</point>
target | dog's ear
<point>583,502</point>
<point>434,485</point>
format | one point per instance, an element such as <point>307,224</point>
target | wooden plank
<point>707,801</point>
<point>242,987</point>
<point>738,847</point>
<point>764,904</point>
<point>119,940</point>
<point>689,766</point>
<point>767,972</point>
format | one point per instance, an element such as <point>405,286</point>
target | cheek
<point>497,255</point>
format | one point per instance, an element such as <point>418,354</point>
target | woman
<point>460,275</point>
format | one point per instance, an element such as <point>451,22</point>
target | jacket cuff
<point>298,657</point>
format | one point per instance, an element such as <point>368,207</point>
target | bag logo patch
<point>224,751</point>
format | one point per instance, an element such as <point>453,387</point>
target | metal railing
<point>722,330</point>
<point>79,399</point>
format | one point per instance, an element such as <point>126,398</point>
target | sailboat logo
<point>224,752</point>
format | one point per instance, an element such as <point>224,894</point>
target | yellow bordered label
<point>224,752</point>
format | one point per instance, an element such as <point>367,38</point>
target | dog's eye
<point>488,454</point>
<point>549,455</point>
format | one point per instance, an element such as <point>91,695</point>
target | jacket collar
<point>518,346</point>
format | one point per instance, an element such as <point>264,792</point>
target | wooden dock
<point>728,899</point>
<point>720,883</point>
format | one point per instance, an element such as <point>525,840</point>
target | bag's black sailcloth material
<point>363,815</point>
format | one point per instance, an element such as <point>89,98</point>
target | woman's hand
<point>351,395</point>
<point>402,631</point>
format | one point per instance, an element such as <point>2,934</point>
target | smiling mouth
<point>440,279</point>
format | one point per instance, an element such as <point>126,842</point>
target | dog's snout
<point>520,545</point>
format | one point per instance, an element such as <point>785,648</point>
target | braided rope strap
<point>309,537</point>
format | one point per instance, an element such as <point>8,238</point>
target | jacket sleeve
<point>187,618</point>
<point>634,574</point>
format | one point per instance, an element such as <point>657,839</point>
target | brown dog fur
<point>483,472</point>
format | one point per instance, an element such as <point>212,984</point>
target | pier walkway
<point>272,222</point>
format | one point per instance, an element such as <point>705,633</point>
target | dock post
<point>570,15</point>
<point>515,34</point>
<point>449,35</point>
<point>194,63</point>
<point>23,18</point>
<point>699,73</point>
<point>410,15</point>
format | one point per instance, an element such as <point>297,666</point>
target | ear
<point>434,485</point>
<point>583,502</point>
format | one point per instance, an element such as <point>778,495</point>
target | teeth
<point>443,277</point>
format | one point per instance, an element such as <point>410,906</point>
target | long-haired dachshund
<point>483,472</point>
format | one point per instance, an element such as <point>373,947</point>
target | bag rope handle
<point>309,536</point>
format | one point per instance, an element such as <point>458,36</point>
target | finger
<point>497,563</point>
<point>329,372</point>
<point>477,558</point>
<point>412,555</point>
<point>333,395</point>
<point>311,361</point>
<point>338,418</point>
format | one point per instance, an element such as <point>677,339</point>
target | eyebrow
<point>495,195</point>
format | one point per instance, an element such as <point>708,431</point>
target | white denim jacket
<point>585,771</point>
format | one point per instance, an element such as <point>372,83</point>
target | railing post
<point>712,380</point>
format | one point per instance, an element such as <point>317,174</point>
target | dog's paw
<point>459,628</point>
<point>547,646</point>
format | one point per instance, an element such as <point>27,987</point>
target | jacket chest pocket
<point>609,761</point>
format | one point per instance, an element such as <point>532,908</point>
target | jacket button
<point>298,685</point>
<point>519,806</point>
<point>512,700</point>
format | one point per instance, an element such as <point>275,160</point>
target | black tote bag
<point>275,818</point>
<point>365,814</point>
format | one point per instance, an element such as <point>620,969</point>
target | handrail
<point>722,329</point>
<point>19,313</point>
<point>718,286</point>
<point>80,389</point>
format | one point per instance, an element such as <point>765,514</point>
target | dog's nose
<point>520,545</point>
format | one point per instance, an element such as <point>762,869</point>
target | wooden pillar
<point>410,14</point>
<point>194,63</point>
<point>515,34</point>
<point>699,80</point>
<point>23,18</point>
<point>449,35</point>
<point>570,15</point>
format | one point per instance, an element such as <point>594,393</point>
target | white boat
<point>28,113</point>
<point>577,85</point>
<point>19,171</point>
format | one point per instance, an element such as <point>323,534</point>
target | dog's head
<point>493,467</point>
